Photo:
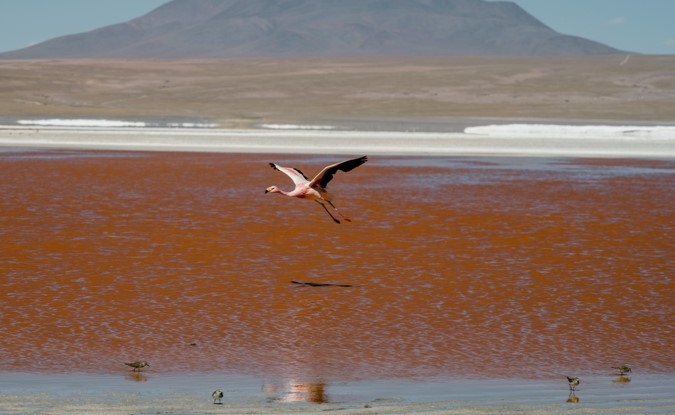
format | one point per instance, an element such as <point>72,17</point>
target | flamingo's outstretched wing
<point>326,175</point>
<point>296,175</point>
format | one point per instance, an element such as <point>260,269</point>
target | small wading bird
<point>574,382</point>
<point>315,189</point>
<point>217,396</point>
<point>623,369</point>
<point>138,365</point>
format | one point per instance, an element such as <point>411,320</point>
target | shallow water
<point>641,394</point>
<point>478,267</point>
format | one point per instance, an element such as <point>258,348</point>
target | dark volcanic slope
<point>238,28</point>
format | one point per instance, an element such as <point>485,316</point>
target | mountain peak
<point>247,28</point>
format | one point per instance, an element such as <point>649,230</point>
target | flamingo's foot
<point>342,215</point>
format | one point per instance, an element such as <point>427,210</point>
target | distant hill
<point>248,28</point>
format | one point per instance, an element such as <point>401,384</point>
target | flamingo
<point>315,189</point>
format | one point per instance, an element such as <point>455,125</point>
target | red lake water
<point>497,267</point>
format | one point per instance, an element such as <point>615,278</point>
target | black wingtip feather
<point>350,165</point>
<point>301,173</point>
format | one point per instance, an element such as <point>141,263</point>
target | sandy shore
<point>190,394</point>
<point>335,142</point>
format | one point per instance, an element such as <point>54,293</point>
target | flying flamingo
<point>315,189</point>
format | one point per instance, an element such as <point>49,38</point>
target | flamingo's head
<point>272,189</point>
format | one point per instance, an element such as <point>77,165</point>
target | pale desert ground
<point>378,93</point>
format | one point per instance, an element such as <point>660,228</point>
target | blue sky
<point>643,26</point>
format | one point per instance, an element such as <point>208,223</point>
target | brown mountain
<point>241,28</point>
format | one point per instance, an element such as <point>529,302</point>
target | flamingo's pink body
<point>315,189</point>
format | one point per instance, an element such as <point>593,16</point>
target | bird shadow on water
<point>319,284</point>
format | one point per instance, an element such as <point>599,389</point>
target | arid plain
<point>244,92</point>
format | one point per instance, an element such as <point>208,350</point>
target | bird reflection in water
<point>572,398</point>
<point>293,391</point>
<point>622,379</point>
<point>136,377</point>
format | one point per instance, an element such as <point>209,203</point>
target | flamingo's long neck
<point>277,190</point>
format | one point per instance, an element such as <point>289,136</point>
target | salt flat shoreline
<point>328,141</point>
